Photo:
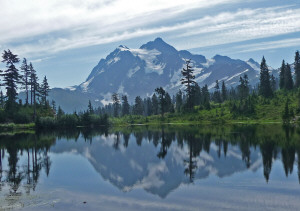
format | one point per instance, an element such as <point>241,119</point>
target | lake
<point>167,167</point>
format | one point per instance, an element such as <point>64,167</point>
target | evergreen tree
<point>32,83</point>
<point>273,83</point>
<point>282,75</point>
<point>35,88</point>
<point>60,112</point>
<point>217,94</point>
<point>188,81</point>
<point>288,80</point>
<point>2,101</point>
<point>206,98</point>
<point>26,77</point>
<point>138,106</point>
<point>243,87</point>
<point>224,92</point>
<point>162,99</point>
<point>155,104</point>
<point>90,108</point>
<point>169,104</point>
<point>265,85</point>
<point>53,105</point>
<point>125,105</point>
<point>149,110</point>
<point>179,101</point>
<point>45,88</point>
<point>11,78</point>
<point>286,113</point>
<point>196,94</point>
<point>116,104</point>
<point>297,69</point>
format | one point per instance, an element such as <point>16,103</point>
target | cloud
<point>262,46</point>
<point>51,26</point>
<point>47,27</point>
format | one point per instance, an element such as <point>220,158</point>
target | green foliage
<point>265,85</point>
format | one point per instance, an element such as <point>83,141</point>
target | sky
<point>64,40</point>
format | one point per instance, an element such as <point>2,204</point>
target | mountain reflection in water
<point>155,159</point>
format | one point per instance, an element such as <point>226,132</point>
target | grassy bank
<point>265,111</point>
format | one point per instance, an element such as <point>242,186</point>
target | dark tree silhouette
<point>125,105</point>
<point>26,78</point>
<point>162,99</point>
<point>188,81</point>
<point>11,78</point>
<point>116,104</point>
<point>265,85</point>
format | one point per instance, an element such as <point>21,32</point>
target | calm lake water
<point>152,168</point>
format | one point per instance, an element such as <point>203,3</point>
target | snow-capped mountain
<point>137,72</point>
<point>139,167</point>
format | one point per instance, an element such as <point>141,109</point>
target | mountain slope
<point>137,72</point>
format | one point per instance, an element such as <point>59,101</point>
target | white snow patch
<point>71,88</point>
<point>236,75</point>
<point>153,179</point>
<point>85,85</point>
<point>254,66</point>
<point>106,98</point>
<point>212,85</point>
<point>177,75</point>
<point>133,71</point>
<point>121,90</point>
<point>101,71</point>
<point>149,56</point>
<point>223,79</point>
<point>123,48</point>
<point>208,63</point>
<point>202,77</point>
<point>135,165</point>
<point>114,60</point>
<point>197,70</point>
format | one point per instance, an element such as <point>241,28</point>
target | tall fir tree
<point>116,104</point>
<point>288,80</point>
<point>179,101</point>
<point>25,78</point>
<point>297,69</point>
<point>265,85</point>
<point>32,83</point>
<point>2,99</point>
<point>188,81</point>
<point>35,88</point>
<point>205,97</point>
<point>217,94</point>
<point>125,106</point>
<point>162,100</point>
<point>273,83</point>
<point>169,104</point>
<point>11,78</point>
<point>138,108</point>
<point>196,94</point>
<point>45,88</point>
<point>243,87</point>
<point>149,110</point>
<point>154,104</point>
<point>223,92</point>
<point>90,108</point>
<point>282,75</point>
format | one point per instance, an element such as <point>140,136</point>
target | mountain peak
<point>159,45</point>
<point>221,58</point>
<point>123,47</point>
<point>252,61</point>
<point>159,39</point>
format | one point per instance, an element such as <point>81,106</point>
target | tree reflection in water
<point>273,142</point>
